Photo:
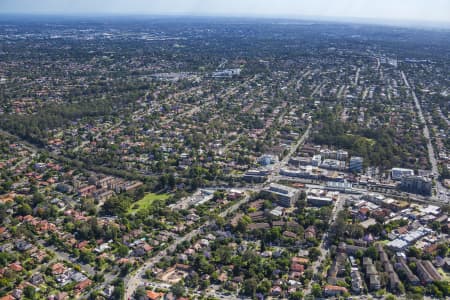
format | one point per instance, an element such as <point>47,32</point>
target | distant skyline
<point>418,11</point>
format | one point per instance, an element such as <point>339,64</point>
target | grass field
<point>147,201</point>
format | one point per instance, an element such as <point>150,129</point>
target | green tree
<point>390,297</point>
<point>119,290</point>
<point>264,286</point>
<point>296,296</point>
<point>24,210</point>
<point>122,250</point>
<point>372,253</point>
<point>140,294</point>
<point>316,290</point>
<point>442,249</point>
<point>314,253</point>
<point>29,292</point>
<point>117,205</point>
<point>249,287</point>
<point>414,252</point>
<point>178,289</point>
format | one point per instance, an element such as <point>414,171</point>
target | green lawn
<point>147,201</point>
<point>444,275</point>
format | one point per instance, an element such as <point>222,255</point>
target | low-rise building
<point>357,283</point>
<point>427,272</point>
<point>316,160</point>
<point>399,173</point>
<point>334,290</point>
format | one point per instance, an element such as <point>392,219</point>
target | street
<point>323,247</point>
<point>431,155</point>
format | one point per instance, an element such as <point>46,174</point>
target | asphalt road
<point>277,167</point>
<point>431,155</point>
<point>323,247</point>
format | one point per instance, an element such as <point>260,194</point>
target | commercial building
<point>333,164</point>
<point>342,155</point>
<point>356,164</point>
<point>316,160</point>
<point>256,175</point>
<point>228,73</point>
<point>344,186</point>
<point>267,159</point>
<point>406,240</point>
<point>319,201</point>
<point>416,185</point>
<point>399,173</point>
<point>307,172</point>
<point>285,196</point>
<point>320,198</point>
<point>300,161</point>
<point>332,154</point>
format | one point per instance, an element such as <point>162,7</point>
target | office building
<point>399,173</point>
<point>356,164</point>
<point>285,196</point>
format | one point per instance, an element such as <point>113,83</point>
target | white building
<point>399,173</point>
<point>316,160</point>
<point>285,195</point>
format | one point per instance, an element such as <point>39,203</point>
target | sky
<point>436,11</point>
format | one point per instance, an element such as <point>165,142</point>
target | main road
<point>426,131</point>
<point>440,189</point>
<point>277,167</point>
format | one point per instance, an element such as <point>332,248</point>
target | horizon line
<point>424,24</point>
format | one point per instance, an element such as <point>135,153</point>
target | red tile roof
<point>154,295</point>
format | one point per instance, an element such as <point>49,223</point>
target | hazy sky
<point>415,10</point>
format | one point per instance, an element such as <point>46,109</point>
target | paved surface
<point>323,247</point>
<point>277,167</point>
<point>60,255</point>
<point>441,191</point>
<point>444,117</point>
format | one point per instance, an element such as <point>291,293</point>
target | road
<point>323,247</point>
<point>64,256</point>
<point>27,146</point>
<point>97,136</point>
<point>357,76</point>
<point>426,132</point>
<point>136,279</point>
<point>25,160</point>
<point>444,117</point>
<point>277,166</point>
